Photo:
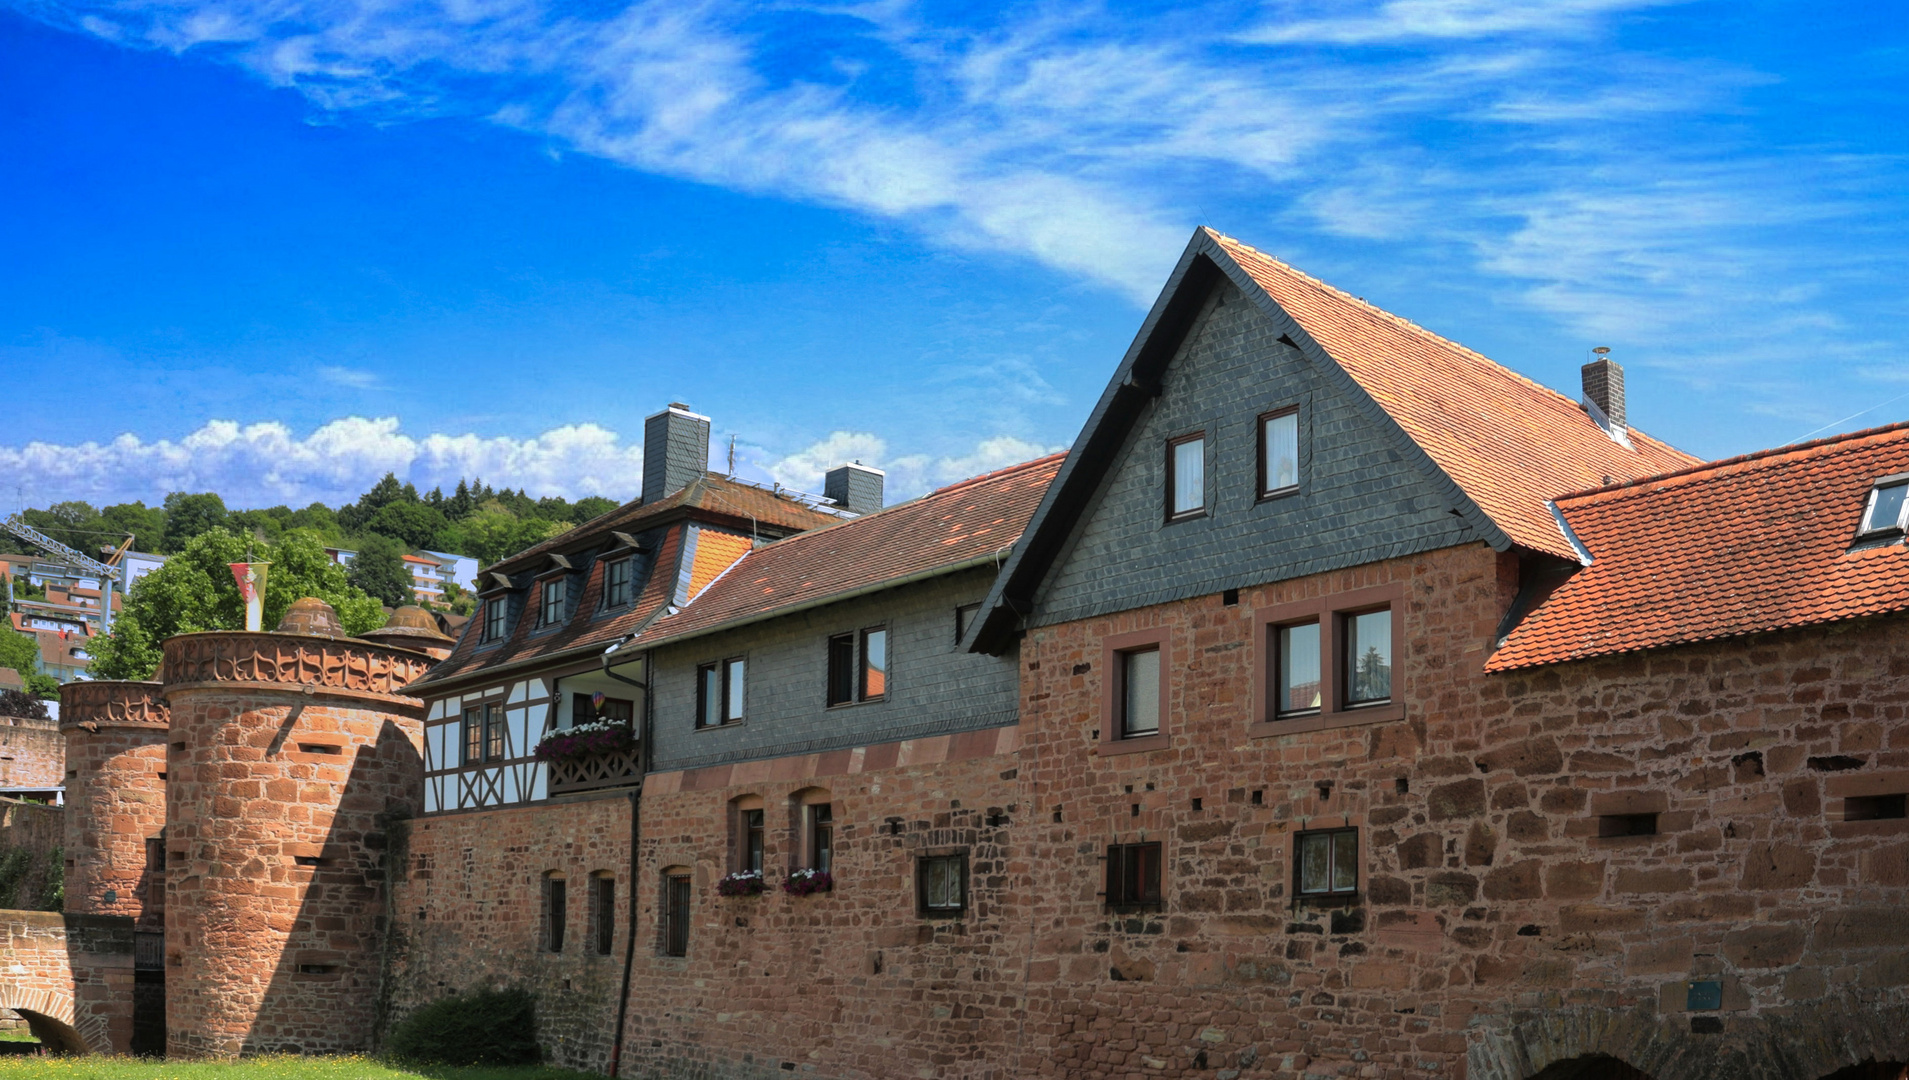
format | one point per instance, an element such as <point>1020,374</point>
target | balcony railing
<point>592,772</point>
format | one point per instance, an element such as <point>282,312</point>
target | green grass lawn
<point>262,1068</point>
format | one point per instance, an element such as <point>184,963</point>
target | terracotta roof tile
<point>958,524</point>
<point>1508,442</point>
<point>1757,543</point>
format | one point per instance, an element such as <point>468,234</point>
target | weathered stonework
<point>290,760</point>
<point>115,799</point>
<point>32,754</point>
<point>70,977</point>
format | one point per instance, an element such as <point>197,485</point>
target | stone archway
<point>1591,1067</point>
<point>1872,1070</point>
<point>54,1030</point>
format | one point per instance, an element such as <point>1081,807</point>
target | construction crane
<point>110,573</point>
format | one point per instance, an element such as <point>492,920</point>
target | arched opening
<point>812,817</point>
<point>1590,1067</point>
<point>56,1036</point>
<point>748,835</point>
<point>1872,1070</point>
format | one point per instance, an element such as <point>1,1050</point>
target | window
<point>1186,476</point>
<point>1368,656</point>
<point>676,915</point>
<point>1627,825</point>
<point>1133,874</point>
<point>550,603</point>
<point>858,666</point>
<point>587,709</point>
<point>874,664</point>
<point>555,904</point>
<point>1279,452</point>
<point>752,841</point>
<point>720,692</point>
<point>1296,679</point>
<point>495,610</point>
<point>483,734</point>
<point>941,884</point>
<point>964,618</point>
<point>1875,807</point>
<point>603,912</point>
<point>1140,693</point>
<point>822,837</point>
<point>617,579</point>
<point>1328,862</point>
<point>1886,505</point>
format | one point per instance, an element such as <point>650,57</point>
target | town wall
<point>469,914</point>
<point>1493,932</point>
<point>70,977</point>
<point>115,737</point>
<point>38,830</point>
<point>32,753</point>
<point>854,982</point>
<point>291,758</point>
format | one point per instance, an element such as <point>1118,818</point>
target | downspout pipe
<point>636,799</point>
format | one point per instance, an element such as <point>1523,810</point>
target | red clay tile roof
<point>714,493</point>
<point>952,526</point>
<point>1508,442</point>
<point>1751,544</point>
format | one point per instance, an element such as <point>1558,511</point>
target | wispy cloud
<point>908,475</point>
<point>1531,149</point>
<point>353,378</point>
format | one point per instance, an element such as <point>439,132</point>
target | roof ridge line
<point>1392,316</point>
<point>1740,459</point>
<point>995,474</point>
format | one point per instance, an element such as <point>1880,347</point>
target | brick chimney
<point>675,451</point>
<point>854,487</point>
<point>1604,388</point>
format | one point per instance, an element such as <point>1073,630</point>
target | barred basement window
<point>603,912</point>
<point>941,884</point>
<point>1133,875</point>
<point>555,908</point>
<point>1328,862</point>
<point>676,915</point>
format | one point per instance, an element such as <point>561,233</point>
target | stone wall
<point>854,982</point>
<point>36,829</point>
<point>70,977</point>
<point>1493,930</point>
<point>469,915</point>
<point>115,736</point>
<point>32,754</point>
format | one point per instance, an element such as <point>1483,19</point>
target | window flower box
<point>591,756</point>
<point>805,882</point>
<point>742,883</point>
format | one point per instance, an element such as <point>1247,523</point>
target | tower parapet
<point>290,755</point>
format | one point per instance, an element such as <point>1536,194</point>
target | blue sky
<point>277,247</point>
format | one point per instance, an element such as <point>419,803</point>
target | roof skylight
<point>1887,501</point>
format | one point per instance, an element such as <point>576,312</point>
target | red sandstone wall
<point>115,739</point>
<point>71,976</point>
<point>39,830</point>
<point>32,753</point>
<point>243,915</point>
<point>469,915</point>
<point>1491,919</point>
<point>850,983</point>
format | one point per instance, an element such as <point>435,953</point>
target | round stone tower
<point>292,753</point>
<point>115,799</point>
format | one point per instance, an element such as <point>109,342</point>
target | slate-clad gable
<point>1359,501</point>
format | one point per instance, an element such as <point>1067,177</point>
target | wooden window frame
<point>861,666</point>
<point>1330,896</point>
<point>818,817</point>
<point>675,921</point>
<point>857,654</point>
<point>496,732</point>
<point>1113,696</point>
<point>627,564</point>
<point>556,911</point>
<point>1262,492</point>
<point>472,735</point>
<point>1117,857</point>
<point>926,910</point>
<point>497,610</point>
<point>721,669</point>
<point>752,837</point>
<point>1201,510</point>
<point>1330,611</point>
<point>544,593</point>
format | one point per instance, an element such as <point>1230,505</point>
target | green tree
<point>592,506</point>
<point>194,591</point>
<point>15,703</point>
<point>189,516</point>
<point>320,519</point>
<point>382,494</point>
<point>380,571</point>
<point>493,532</point>
<point>414,525</point>
<point>18,651</point>
<point>146,524</point>
<point>75,524</point>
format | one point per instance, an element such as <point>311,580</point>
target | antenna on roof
<point>732,455</point>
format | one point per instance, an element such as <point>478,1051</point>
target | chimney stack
<point>1604,388</point>
<point>854,487</point>
<point>675,451</point>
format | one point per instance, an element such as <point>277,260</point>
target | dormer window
<point>496,611</point>
<point>617,578</point>
<point>550,602</point>
<point>1887,501</point>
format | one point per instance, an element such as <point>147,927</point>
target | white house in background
<point>341,556</point>
<point>138,564</point>
<point>461,569</point>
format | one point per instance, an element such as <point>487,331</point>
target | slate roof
<point>958,525</point>
<point>1507,442</point>
<point>1751,544</point>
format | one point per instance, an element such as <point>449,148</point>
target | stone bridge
<point>70,977</point>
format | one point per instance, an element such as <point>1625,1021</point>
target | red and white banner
<point>251,580</point>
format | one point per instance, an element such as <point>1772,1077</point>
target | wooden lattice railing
<point>618,768</point>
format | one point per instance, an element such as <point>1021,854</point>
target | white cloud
<point>1411,20</point>
<point>908,475</point>
<point>354,378</point>
<point>264,464</point>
